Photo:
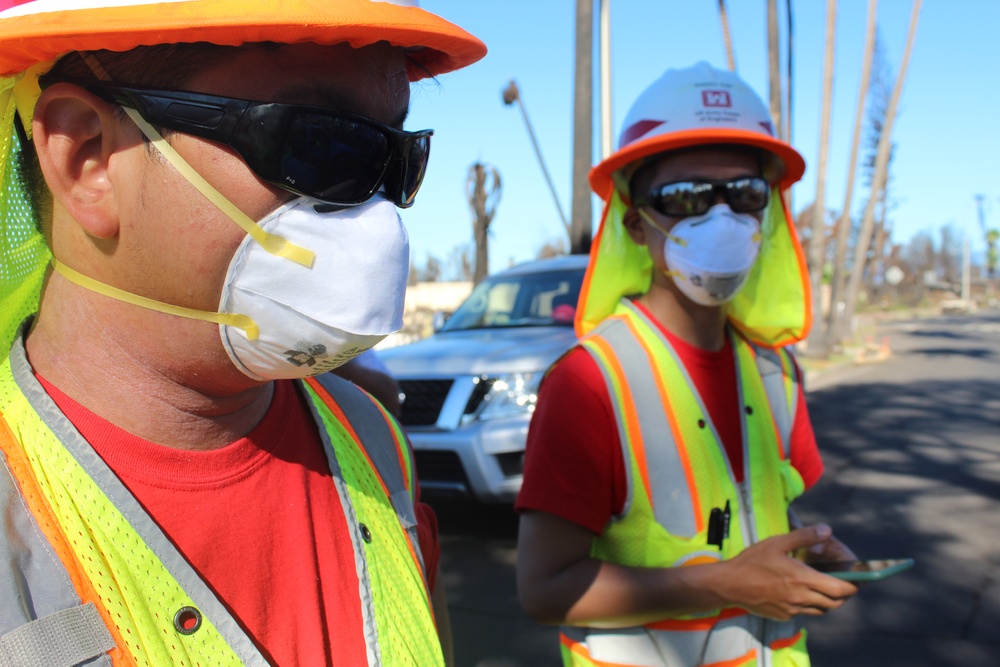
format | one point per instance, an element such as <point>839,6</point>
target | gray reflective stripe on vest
<point>773,374</point>
<point>33,581</point>
<point>670,493</point>
<point>63,639</point>
<point>201,595</point>
<point>40,613</point>
<point>371,429</point>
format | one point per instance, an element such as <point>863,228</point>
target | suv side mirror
<point>438,319</point>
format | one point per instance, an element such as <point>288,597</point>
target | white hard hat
<point>696,106</point>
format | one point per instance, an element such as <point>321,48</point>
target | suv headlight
<point>511,394</point>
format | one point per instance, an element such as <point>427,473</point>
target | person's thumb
<point>804,537</point>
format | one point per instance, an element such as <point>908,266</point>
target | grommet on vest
<point>187,620</point>
<point>366,534</point>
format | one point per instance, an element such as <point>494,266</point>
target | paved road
<point>912,448</point>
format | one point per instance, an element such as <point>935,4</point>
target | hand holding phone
<point>864,570</point>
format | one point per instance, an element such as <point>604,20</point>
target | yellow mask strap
<point>648,218</point>
<point>272,243</point>
<point>243,322</point>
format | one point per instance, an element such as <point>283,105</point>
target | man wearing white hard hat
<point>667,447</point>
<point>198,219</point>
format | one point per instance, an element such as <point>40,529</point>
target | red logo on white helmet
<point>716,98</point>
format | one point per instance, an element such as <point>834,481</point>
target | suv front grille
<point>439,466</point>
<point>423,401</point>
<point>478,394</point>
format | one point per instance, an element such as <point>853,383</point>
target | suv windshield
<point>526,300</point>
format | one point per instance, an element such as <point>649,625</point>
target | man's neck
<point>701,326</point>
<point>141,375</point>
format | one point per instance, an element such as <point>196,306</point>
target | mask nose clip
<point>329,208</point>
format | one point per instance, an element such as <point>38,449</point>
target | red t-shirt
<point>261,522</point>
<point>574,467</point>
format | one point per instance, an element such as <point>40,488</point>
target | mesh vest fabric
<point>24,256</point>
<point>135,591</point>
<point>401,607</point>
<point>137,587</point>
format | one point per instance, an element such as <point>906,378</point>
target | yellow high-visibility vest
<point>92,576</point>
<point>677,473</point>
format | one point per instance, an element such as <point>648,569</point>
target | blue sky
<point>946,151</point>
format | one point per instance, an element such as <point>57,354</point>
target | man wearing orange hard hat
<point>667,447</point>
<point>198,219</point>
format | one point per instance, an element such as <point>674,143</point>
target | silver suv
<point>469,390</point>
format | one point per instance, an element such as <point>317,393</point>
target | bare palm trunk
<point>482,188</point>
<point>843,229</point>
<point>817,240</point>
<point>881,172</point>
<point>726,37</point>
<point>876,264</point>
<point>774,65</point>
<point>583,129</point>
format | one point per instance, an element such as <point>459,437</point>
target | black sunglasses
<point>747,194</point>
<point>336,157</point>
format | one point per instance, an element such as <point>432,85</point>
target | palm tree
<point>881,172</point>
<point>482,188</point>
<point>726,37</point>
<point>817,240</point>
<point>832,333</point>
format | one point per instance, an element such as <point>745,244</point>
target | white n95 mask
<point>710,256</point>
<point>308,289</point>
<point>313,319</point>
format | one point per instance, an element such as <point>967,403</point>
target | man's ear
<point>634,226</point>
<point>75,134</point>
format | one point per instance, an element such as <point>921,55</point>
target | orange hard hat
<point>38,31</point>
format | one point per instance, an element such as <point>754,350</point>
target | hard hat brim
<point>602,176</point>
<point>434,45</point>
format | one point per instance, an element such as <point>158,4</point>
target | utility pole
<point>605,46</point>
<point>774,67</point>
<point>583,129</point>
<point>727,38</point>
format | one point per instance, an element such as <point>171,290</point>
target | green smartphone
<point>864,570</point>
